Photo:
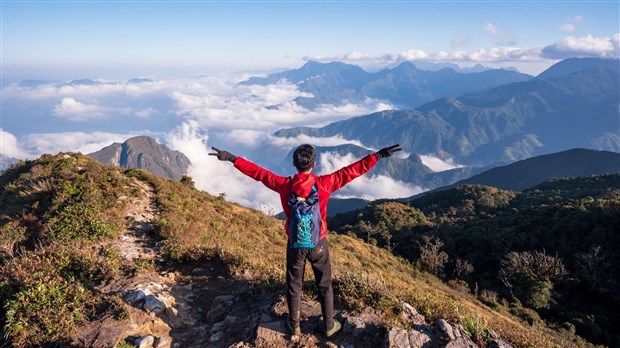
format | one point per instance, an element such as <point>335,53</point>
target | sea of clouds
<point>189,115</point>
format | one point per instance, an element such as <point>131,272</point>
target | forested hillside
<point>548,254</point>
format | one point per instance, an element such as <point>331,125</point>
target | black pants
<point>321,266</point>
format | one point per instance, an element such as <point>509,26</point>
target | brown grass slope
<point>49,287</point>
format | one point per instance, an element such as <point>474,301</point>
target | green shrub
<point>79,220</point>
<point>124,344</point>
<point>527,314</point>
<point>45,312</point>
<point>360,291</point>
<point>10,235</point>
<point>476,326</point>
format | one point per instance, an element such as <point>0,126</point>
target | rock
<point>230,319</point>
<point>136,295</point>
<point>271,334</point>
<point>225,299</point>
<point>354,326</point>
<point>217,327</point>
<point>456,335</point>
<point>216,336</point>
<point>240,345</point>
<point>420,336</point>
<point>411,314</point>
<point>153,304</point>
<point>144,341</point>
<point>496,341</point>
<point>461,343</point>
<point>331,345</point>
<point>398,338</point>
<point>219,308</point>
<point>446,329</point>
<point>162,342</point>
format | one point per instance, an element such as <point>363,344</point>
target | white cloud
<point>40,143</point>
<point>9,146</point>
<point>412,54</point>
<point>227,105</point>
<point>501,36</point>
<point>368,186</point>
<point>55,90</point>
<point>72,109</point>
<point>586,46</point>
<point>437,164</point>
<point>291,142</point>
<point>567,28</point>
<point>247,137</point>
<point>146,113</point>
<point>214,176</point>
<point>570,25</point>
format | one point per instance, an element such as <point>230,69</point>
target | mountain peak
<point>146,153</point>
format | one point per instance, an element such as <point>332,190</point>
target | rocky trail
<point>199,305</point>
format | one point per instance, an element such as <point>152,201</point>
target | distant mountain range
<point>520,175</point>
<point>404,86</point>
<point>145,153</point>
<point>503,124</point>
<point>530,172</point>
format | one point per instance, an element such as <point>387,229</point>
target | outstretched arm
<point>341,177</point>
<point>269,179</point>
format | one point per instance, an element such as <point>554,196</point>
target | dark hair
<point>303,157</point>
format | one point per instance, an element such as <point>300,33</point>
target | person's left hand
<point>223,155</point>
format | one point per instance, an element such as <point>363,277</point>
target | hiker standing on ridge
<point>304,201</point>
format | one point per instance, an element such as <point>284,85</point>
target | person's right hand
<point>387,151</point>
<point>223,155</point>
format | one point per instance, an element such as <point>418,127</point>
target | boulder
<point>134,296</point>
<point>398,338</point>
<point>144,341</point>
<point>153,305</point>
<point>354,326</point>
<point>411,315</point>
<point>420,337</point>
<point>273,334</point>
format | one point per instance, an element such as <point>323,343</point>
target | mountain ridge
<point>405,85</point>
<point>144,152</point>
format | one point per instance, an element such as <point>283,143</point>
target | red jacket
<point>302,184</point>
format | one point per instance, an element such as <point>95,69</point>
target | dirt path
<point>189,305</point>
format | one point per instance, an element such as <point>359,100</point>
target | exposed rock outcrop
<point>145,153</point>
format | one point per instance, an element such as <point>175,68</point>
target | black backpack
<point>304,229</point>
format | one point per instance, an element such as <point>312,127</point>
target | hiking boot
<point>295,330</point>
<point>331,332</point>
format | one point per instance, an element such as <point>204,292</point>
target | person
<point>303,184</point>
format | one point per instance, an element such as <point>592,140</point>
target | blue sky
<point>142,37</point>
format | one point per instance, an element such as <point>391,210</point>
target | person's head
<point>303,158</point>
